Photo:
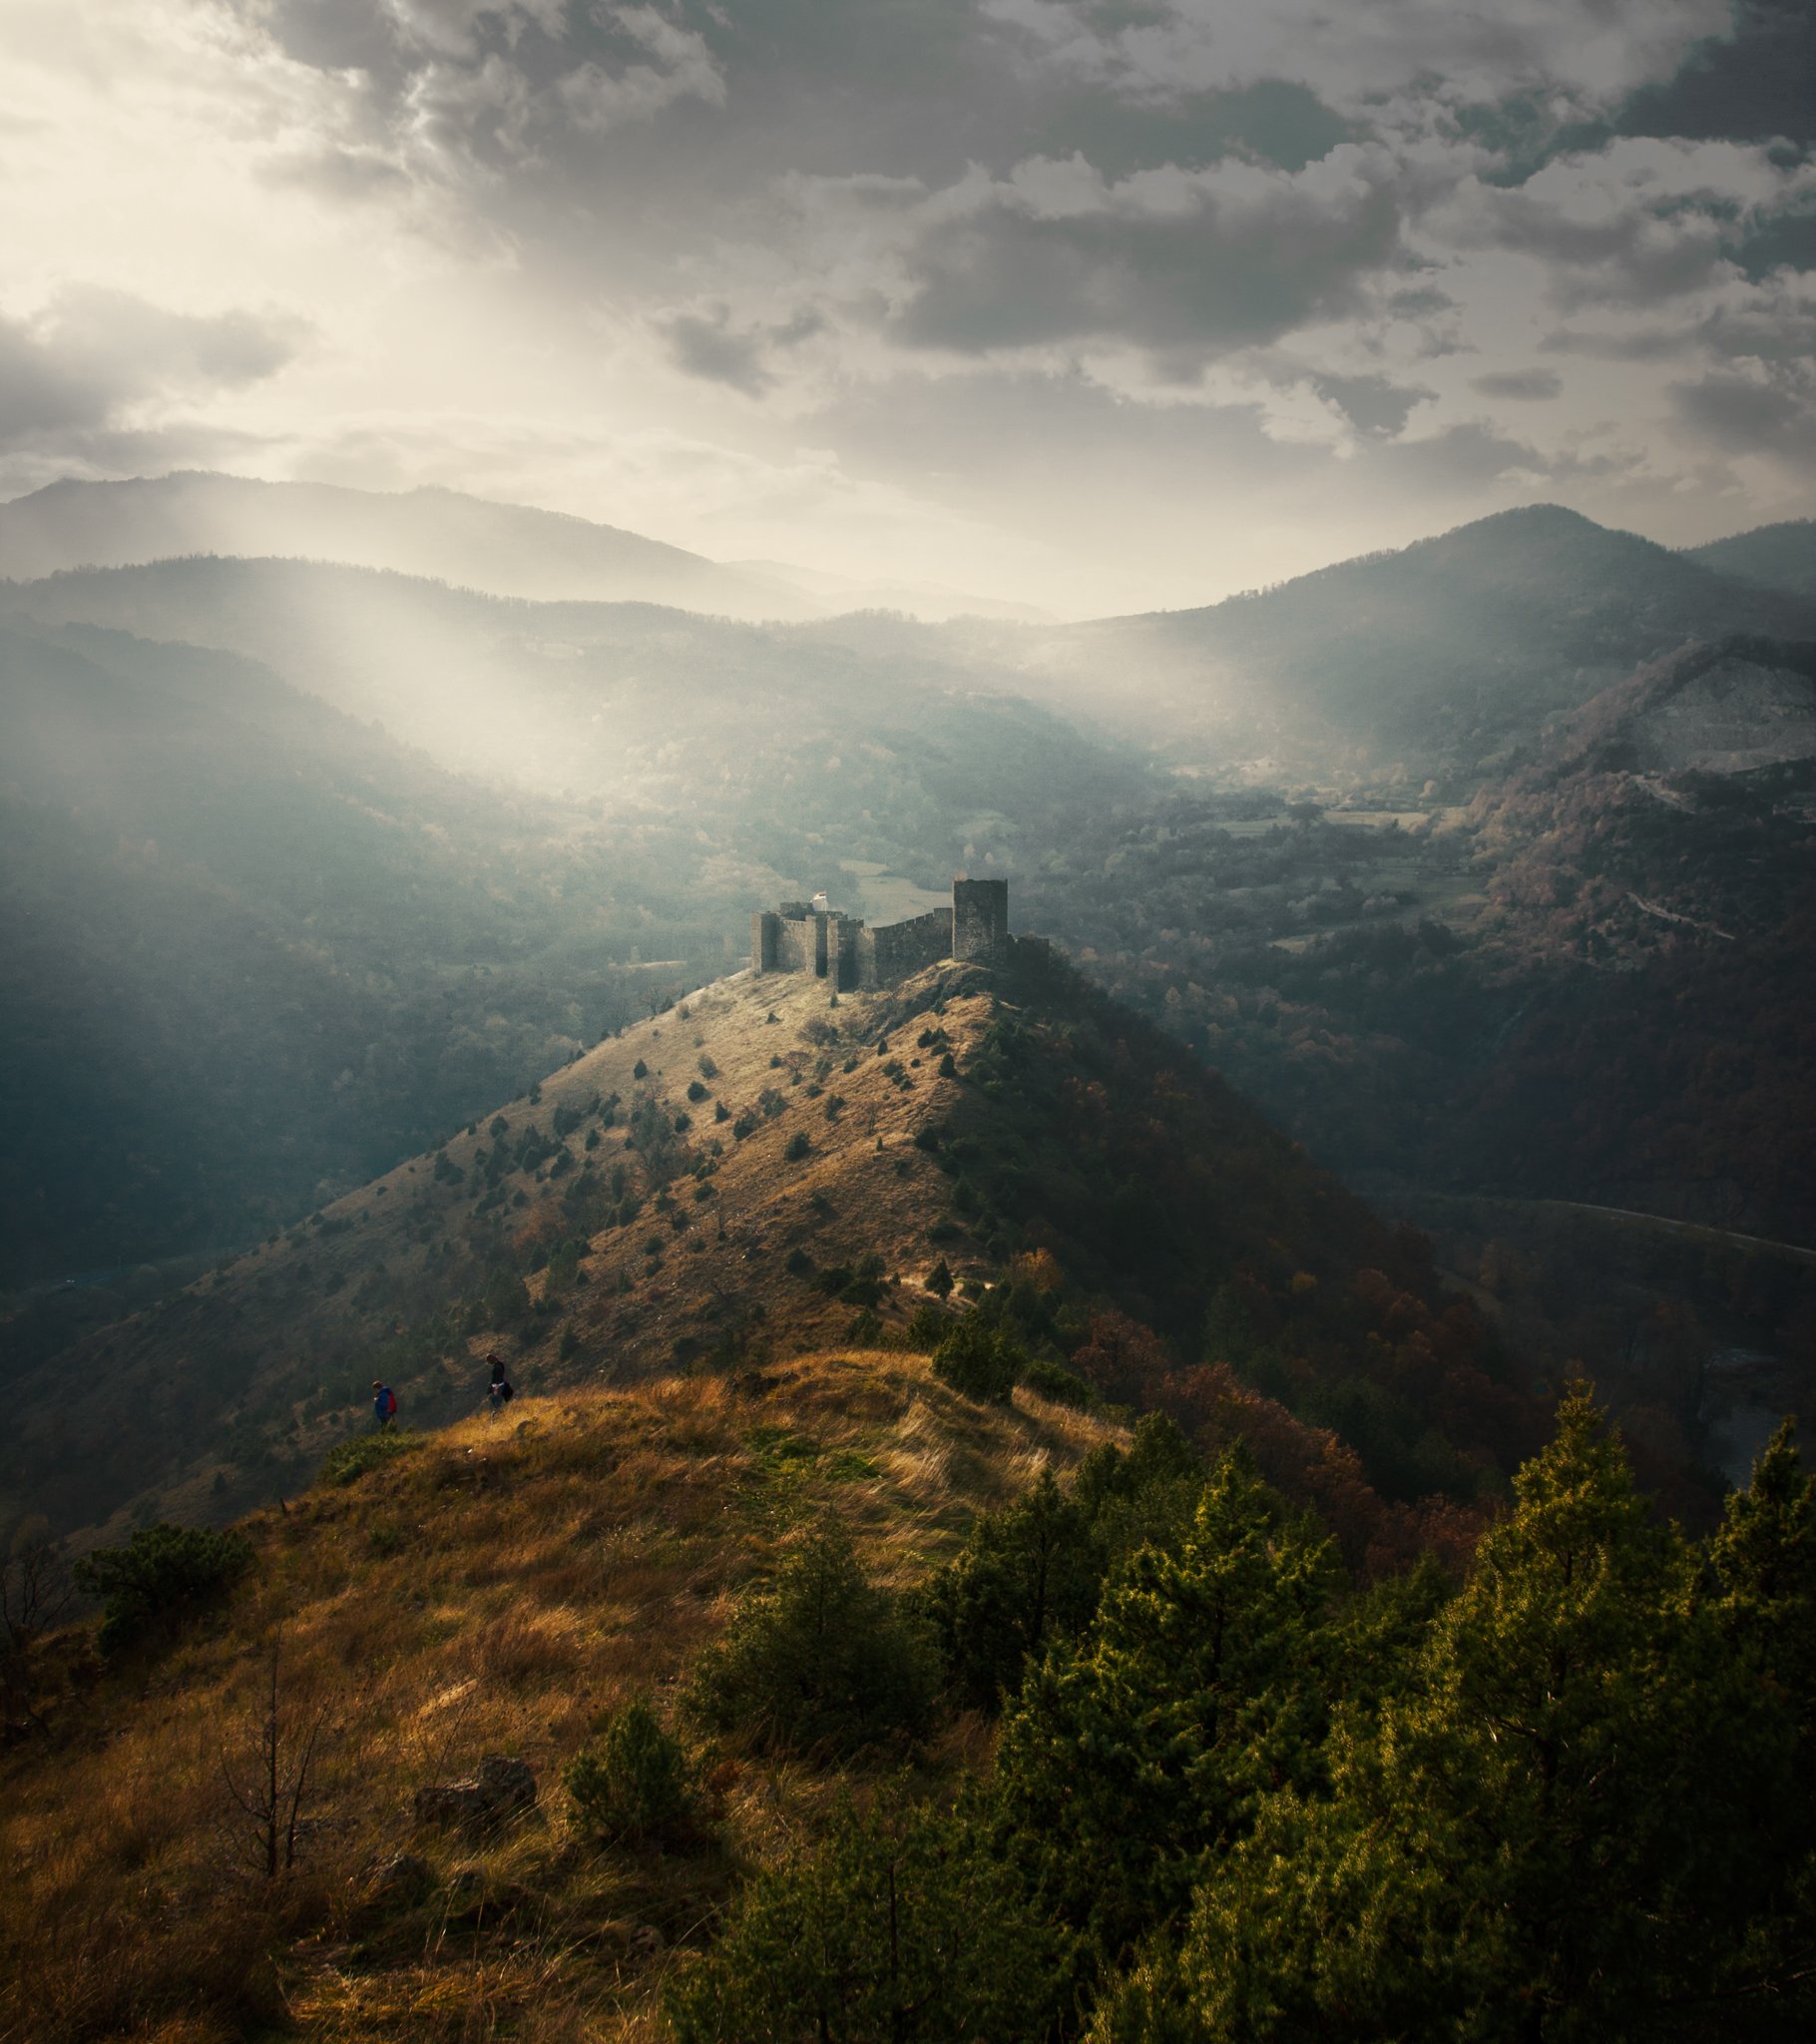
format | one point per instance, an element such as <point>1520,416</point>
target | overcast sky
<point>1100,303</point>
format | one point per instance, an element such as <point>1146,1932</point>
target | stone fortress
<point>812,936</point>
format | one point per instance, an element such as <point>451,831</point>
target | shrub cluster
<point>162,1573</point>
<point>823,1661</point>
<point>637,1787</point>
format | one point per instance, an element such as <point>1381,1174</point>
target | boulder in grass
<point>502,1789</point>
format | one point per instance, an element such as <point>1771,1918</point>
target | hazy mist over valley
<point>907,1086</point>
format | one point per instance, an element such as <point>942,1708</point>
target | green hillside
<point>1779,557</point>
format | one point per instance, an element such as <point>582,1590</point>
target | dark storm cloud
<point>1638,255</point>
<point>1773,415</point>
<point>1274,120</point>
<point>1460,458</point>
<point>1521,385</point>
<point>712,345</point>
<point>1375,405</point>
<point>1783,240</point>
<point>1198,266</point>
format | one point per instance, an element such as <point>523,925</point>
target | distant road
<point>1693,1227</point>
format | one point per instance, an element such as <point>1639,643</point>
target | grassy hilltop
<point>755,1171</point>
<point>825,1700</point>
<point>499,1587</point>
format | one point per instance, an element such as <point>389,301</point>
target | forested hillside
<point>1774,556</point>
<point>1441,661</point>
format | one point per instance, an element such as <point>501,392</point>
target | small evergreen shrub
<point>821,1661</point>
<point>696,1091</point>
<point>1027,1574</point>
<point>162,1572</point>
<point>901,1924</point>
<point>797,1147</point>
<point>351,1459</point>
<point>978,1362</point>
<point>927,1329</point>
<point>637,1787</point>
<point>1058,1386</point>
<point>639,1070</point>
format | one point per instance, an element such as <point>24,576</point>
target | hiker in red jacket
<point>385,1403</point>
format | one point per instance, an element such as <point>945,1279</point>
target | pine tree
<point>1561,1830</point>
<point>1191,1696</point>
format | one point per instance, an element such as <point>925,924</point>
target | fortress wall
<point>800,944</point>
<point>901,948</point>
<point>852,955</point>
<point>980,918</point>
<point>844,934</point>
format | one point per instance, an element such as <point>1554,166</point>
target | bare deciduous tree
<point>35,1592</point>
<point>269,1780</point>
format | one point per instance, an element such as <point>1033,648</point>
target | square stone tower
<point>980,918</point>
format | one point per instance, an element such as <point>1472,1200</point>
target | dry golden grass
<point>497,1588</point>
<point>310,1306</point>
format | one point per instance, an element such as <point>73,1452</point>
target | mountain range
<point>440,534</point>
<point>1444,660</point>
<point>311,864</point>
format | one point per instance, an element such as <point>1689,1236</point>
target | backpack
<point>391,1402</point>
<point>505,1393</point>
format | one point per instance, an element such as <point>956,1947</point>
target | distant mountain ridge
<point>634,700</point>
<point>1781,556</point>
<point>471,542</point>
<point>451,536</point>
<point>1442,659</point>
<point>1445,659</point>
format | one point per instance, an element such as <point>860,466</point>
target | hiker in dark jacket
<point>385,1403</point>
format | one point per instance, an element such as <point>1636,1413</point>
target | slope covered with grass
<point>497,1588</point>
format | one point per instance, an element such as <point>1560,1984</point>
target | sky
<point>1097,304</point>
